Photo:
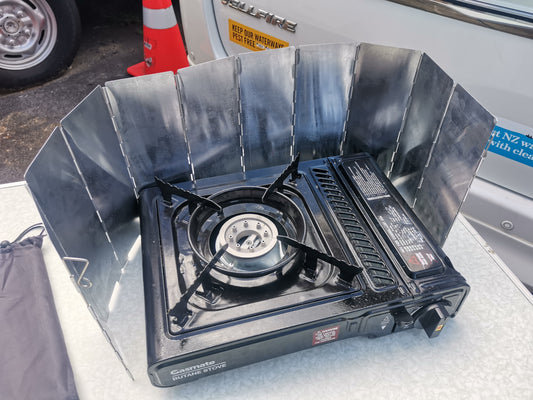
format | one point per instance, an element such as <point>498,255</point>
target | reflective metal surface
<point>266,83</point>
<point>210,101</point>
<point>382,86</point>
<point>148,121</point>
<point>454,161</point>
<point>28,33</point>
<point>73,223</point>
<point>102,168</point>
<point>324,75</point>
<point>429,98</point>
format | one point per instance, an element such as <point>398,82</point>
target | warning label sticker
<point>252,39</point>
<point>325,335</point>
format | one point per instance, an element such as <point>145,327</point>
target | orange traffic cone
<point>163,46</point>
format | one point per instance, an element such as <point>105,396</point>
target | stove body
<point>224,289</point>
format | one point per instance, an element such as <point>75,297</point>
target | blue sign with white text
<point>513,145</point>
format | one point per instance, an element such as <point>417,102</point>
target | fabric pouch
<point>33,357</point>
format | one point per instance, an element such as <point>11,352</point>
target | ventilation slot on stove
<point>375,266</point>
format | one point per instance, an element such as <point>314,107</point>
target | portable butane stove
<point>240,269</point>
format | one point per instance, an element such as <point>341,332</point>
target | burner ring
<point>255,263</point>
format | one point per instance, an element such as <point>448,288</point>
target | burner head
<point>252,242</point>
<point>249,227</point>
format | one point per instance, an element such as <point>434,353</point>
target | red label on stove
<point>325,335</point>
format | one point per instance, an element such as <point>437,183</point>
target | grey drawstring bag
<point>33,357</point>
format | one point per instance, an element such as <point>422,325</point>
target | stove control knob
<point>432,319</point>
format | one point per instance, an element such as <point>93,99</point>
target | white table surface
<point>486,352</point>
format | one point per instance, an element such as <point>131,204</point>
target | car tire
<point>38,40</point>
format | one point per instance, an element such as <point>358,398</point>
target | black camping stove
<point>241,270</point>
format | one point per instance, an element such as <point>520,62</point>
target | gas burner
<point>239,271</point>
<point>252,242</point>
<point>250,227</point>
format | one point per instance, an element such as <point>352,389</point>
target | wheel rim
<point>28,32</point>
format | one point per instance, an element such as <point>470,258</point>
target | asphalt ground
<point>111,41</point>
